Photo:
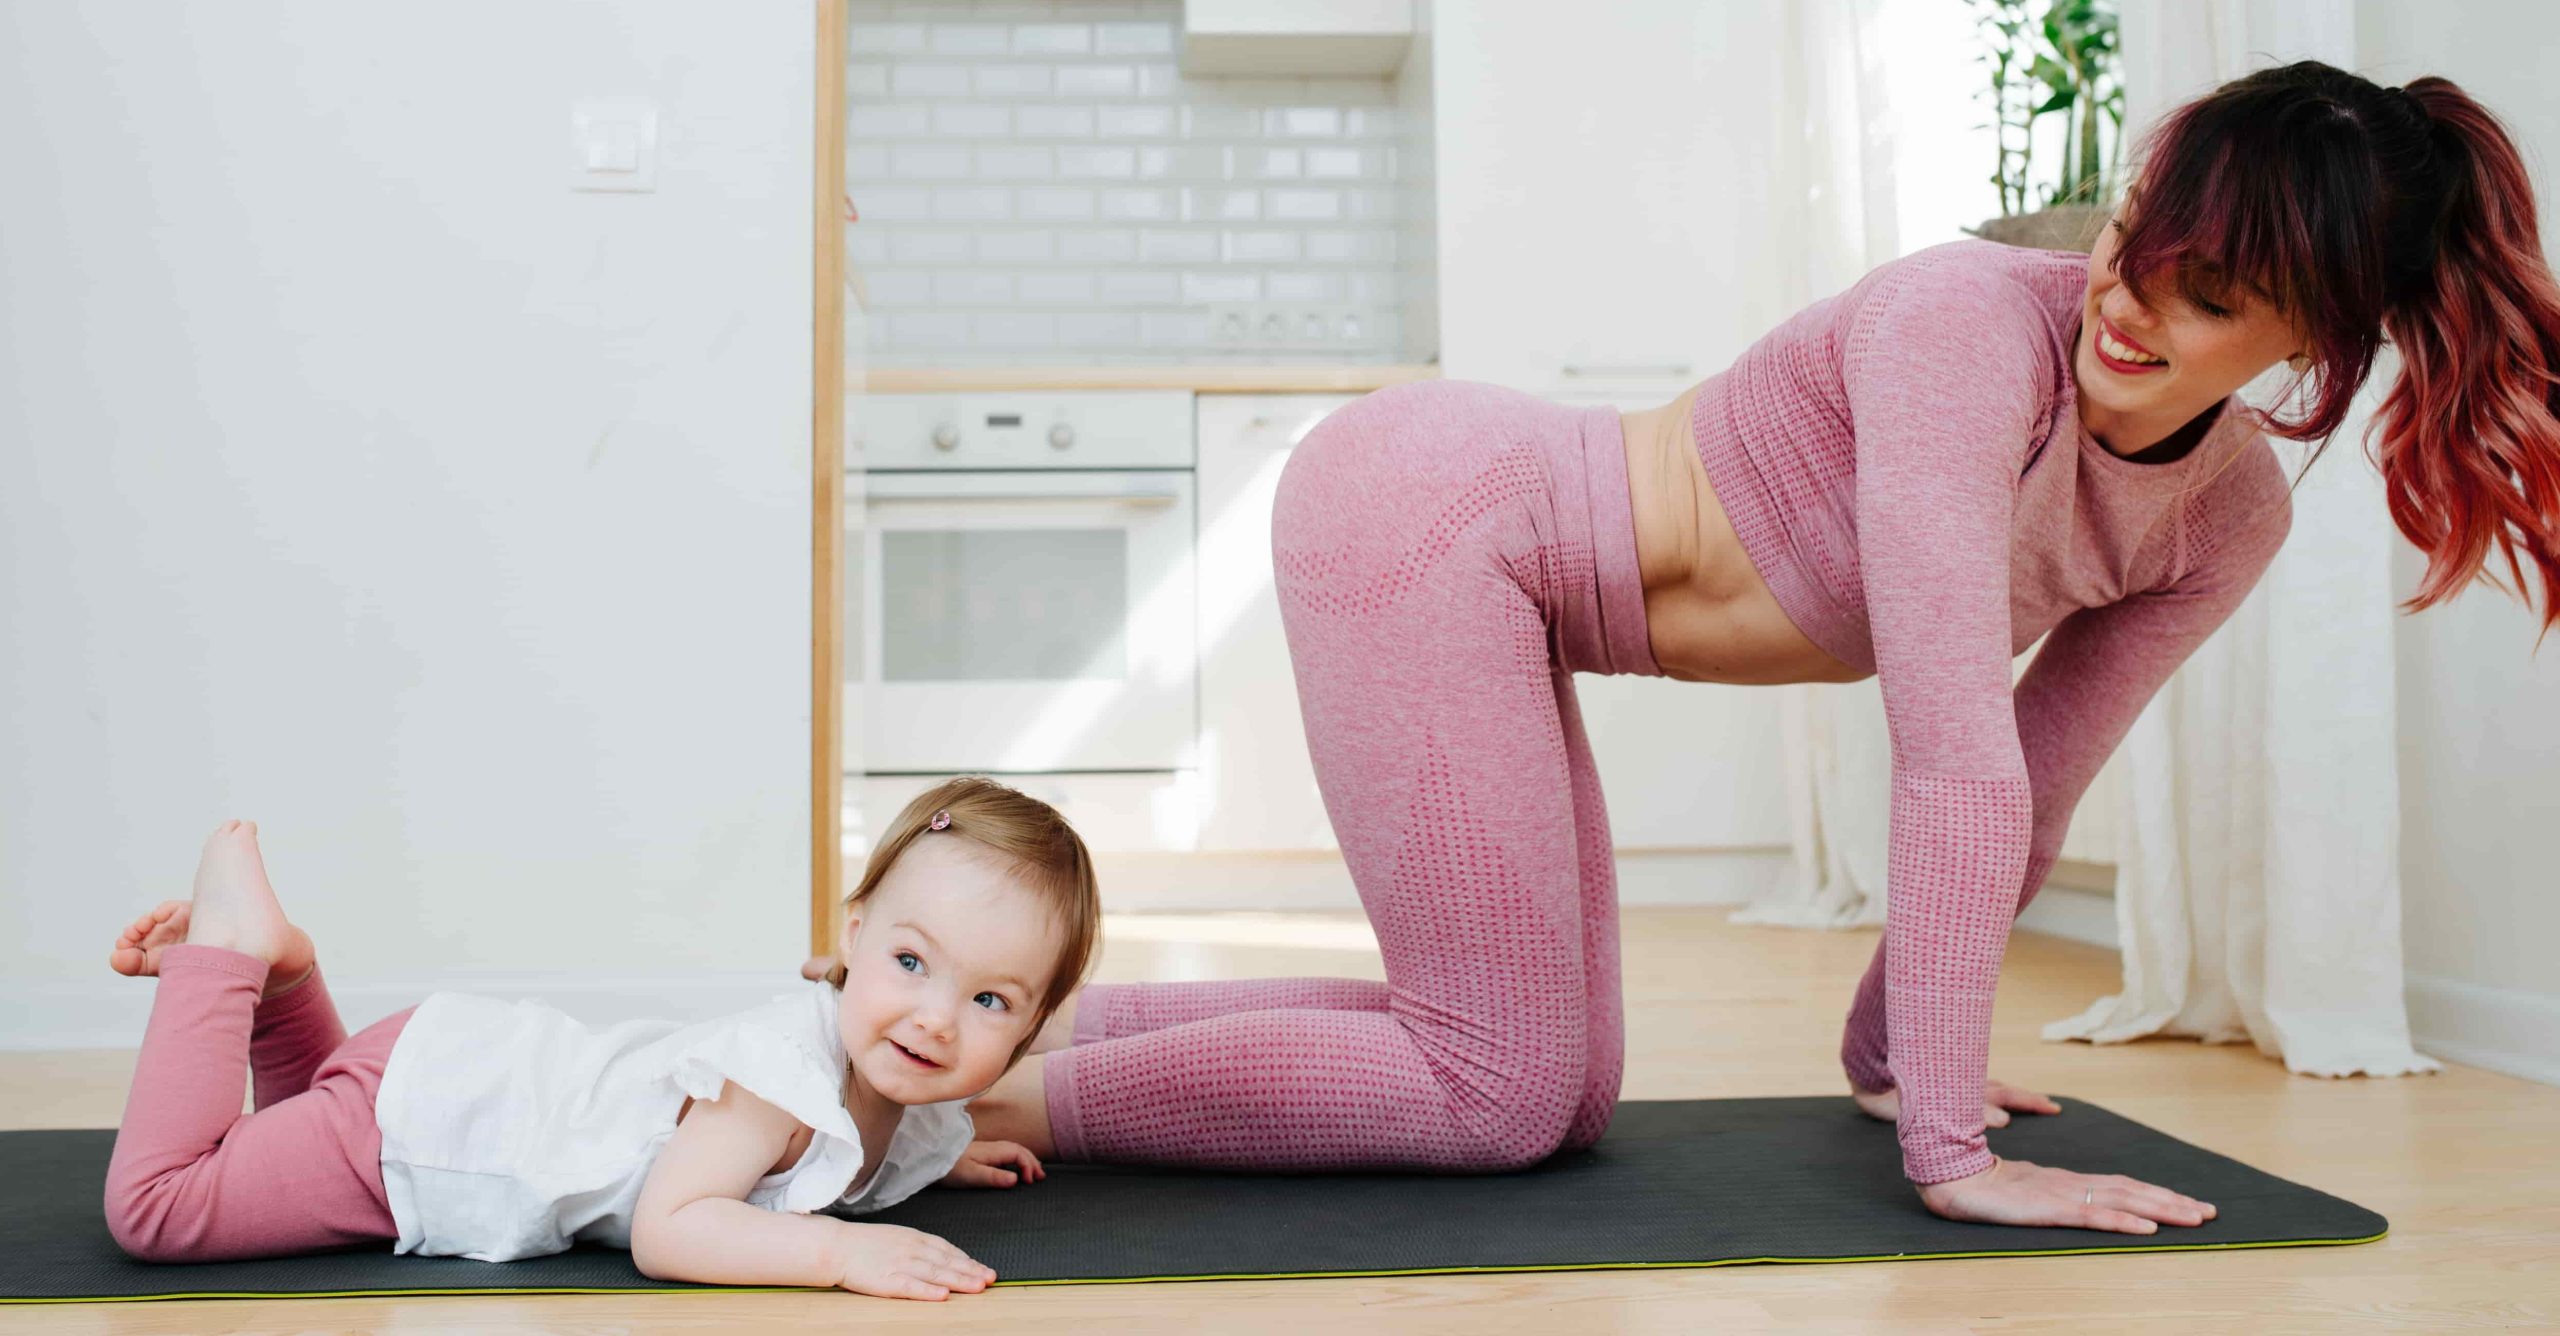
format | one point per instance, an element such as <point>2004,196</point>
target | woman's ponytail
<point>2469,435</point>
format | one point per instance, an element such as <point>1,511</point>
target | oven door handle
<point>1149,499</point>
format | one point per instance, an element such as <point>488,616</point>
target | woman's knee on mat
<point>146,1221</point>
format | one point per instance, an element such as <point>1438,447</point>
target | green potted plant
<point>2065,62</point>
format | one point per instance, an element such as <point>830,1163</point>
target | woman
<point>1972,448</point>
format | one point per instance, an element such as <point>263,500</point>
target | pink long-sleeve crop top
<point>1906,466</point>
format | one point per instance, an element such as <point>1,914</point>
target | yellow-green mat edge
<point>1238,1275</point>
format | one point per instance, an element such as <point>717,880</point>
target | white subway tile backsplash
<point>929,329</point>
<point>1037,122</point>
<point>1302,122</point>
<point>1055,287</point>
<point>1221,206</point>
<point>968,39</point>
<point>1160,246</point>
<point>1141,287</point>
<point>1023,330</point>
<point>1336,163</point>
<point>1098,330</point>
<point>886,123</point>
<point>1133,39</point>
<point>939,245</point>
<point>1010,80</point>
<point>1056,204</point>
<point>1200,287</point>
<point>972,287</point>
<point>930,162</point>
<point>1138,206</point>
<point>972,120</point>
<point>1114,162</point>
<point>1305,285</point>
<point>1110,245</point>
<point>1052,39</point>
<point>1036,177</point>
<point>1200,121</point>
<point>1134,122</point>
<point>1302,206</point>
<point>922,81</point>
<point>1012,162</point>
<point>886,39</point>
<point>973,204</point>
<point>1097,81</point>
<point>900,287</point>
<point>1262,248</point>
<point>1013,247</point>
<point>892,204</point>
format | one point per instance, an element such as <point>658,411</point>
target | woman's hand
<point>1998,1098</point>
<point>2014,1192</point>
<point>816,967</point>
<point>995,1164</point>
<point>896,1262</point>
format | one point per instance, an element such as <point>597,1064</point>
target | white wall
<point>358,477</point>
<point>2479,710</point>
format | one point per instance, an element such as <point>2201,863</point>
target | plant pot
<point>2071,227</point>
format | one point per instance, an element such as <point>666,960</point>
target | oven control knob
<point>946,436</point>
<point>1061,436</point>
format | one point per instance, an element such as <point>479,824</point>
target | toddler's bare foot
<point>236,909</point>
<point>138,947</point>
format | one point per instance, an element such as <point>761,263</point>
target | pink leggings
<point>1448,555</point>
<point>196,1180</point>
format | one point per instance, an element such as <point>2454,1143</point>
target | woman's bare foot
<point>236,909</point>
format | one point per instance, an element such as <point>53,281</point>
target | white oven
<point>1025,584</point>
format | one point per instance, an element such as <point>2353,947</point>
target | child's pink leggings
<point>1448,555</point>
<point>196,1180</point>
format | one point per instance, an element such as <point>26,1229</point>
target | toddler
<point>719,1152</point>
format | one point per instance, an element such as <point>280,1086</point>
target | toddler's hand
<point>896,1262</point>
<point>994,1164</point>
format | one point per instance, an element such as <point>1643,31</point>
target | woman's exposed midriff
<point>1710,615</point>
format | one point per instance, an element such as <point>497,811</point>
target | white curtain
<point>1839,777</point>
<point>2258,873</point>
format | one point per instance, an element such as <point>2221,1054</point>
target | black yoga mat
<point>1674,1184</point>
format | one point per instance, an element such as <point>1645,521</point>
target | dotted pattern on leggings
<point>1322,579</point>
<point>1138,1008</point>
<point>1953,867</point>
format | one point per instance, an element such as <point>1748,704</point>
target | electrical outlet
<point>1287,326</point>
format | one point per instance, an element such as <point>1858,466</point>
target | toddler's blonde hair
<point>1045,853</point>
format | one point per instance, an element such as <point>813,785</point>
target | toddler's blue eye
<point>910,961</point>
<point>992,1002</point>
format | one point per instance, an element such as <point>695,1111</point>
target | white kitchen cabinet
<point>1606,228</point>
<point>1258,788</point>
<point>1684,765</point>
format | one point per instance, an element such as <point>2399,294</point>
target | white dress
<point>510,1130</point>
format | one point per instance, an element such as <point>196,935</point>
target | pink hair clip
<point>941,820</point>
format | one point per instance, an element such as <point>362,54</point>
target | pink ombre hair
<point>2361,211</point>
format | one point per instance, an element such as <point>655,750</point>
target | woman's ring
<point>2086,1196</point>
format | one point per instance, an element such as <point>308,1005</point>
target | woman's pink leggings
<point>1448,555</point>
<point>196,1180</point>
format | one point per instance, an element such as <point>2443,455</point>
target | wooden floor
<point>2466,1165</point>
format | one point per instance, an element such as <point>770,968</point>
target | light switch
<point>614,144</point>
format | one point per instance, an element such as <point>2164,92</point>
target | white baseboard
<point>2073,915</point>
<point>110,1012</point>
<point>2502,1029</point>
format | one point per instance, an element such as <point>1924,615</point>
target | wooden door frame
<point>826,453</point>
